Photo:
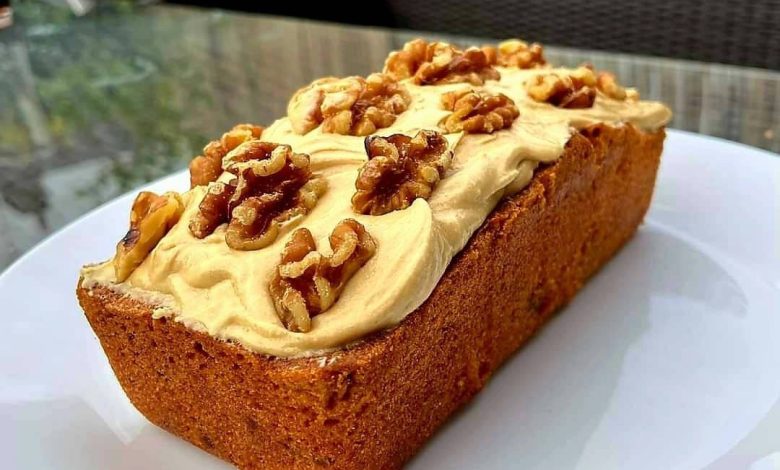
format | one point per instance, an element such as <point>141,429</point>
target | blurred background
<point>97,98</point>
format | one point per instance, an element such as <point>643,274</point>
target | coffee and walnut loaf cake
<point>335,285</point>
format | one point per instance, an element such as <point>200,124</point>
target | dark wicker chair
<point>745,32</point>
<point>741,32</point>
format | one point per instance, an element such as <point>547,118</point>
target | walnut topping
<point>348,106</point>
<point>516,53</point>
<point>207,167</point>
<point>439,62</point>
<point>306,282</point>
<point>272,186</point>
<point>575,90</point>
<point>399,170</point>
<point>213,209</point>
<point>150,219</point>
<point>607,83</point>
<point>477,111</point>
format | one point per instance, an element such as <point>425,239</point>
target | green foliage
<point>114,84</point>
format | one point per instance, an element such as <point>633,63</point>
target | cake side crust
<point>373,405</point>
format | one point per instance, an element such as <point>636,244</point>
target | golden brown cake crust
<point>374,405</point>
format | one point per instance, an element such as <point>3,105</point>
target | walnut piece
<point>151,217</point>
<point>213,209</point>
<point>348,106</point>
<point>272,185</point>
<point>439,62</point>
<point>516,53</point>
<point>608,84</point>
<point>306,282</point>
<point>477,111</point>
<point>399,170</point>
<point>574,90</point>
<point>207,167</point>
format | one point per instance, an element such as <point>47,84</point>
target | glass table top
<point>95,106</point>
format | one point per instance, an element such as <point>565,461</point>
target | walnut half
<point>151,217</point>
<point>574,90</point>
<point>207,167</point>
<point>399,170</point>
<point>516,53</point>
<point>272,185</point>
<point>348,106</point>
<point>608,84</point>
<point>306,282</point>
<point>439,62</point>
<point>477,111</point>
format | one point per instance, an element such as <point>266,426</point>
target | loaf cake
<point>335,285</point>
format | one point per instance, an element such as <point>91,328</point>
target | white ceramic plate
<point>669,358</point>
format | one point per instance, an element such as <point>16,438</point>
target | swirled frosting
<point>211,288</point>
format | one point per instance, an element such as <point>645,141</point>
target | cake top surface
<point>339,219</point>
